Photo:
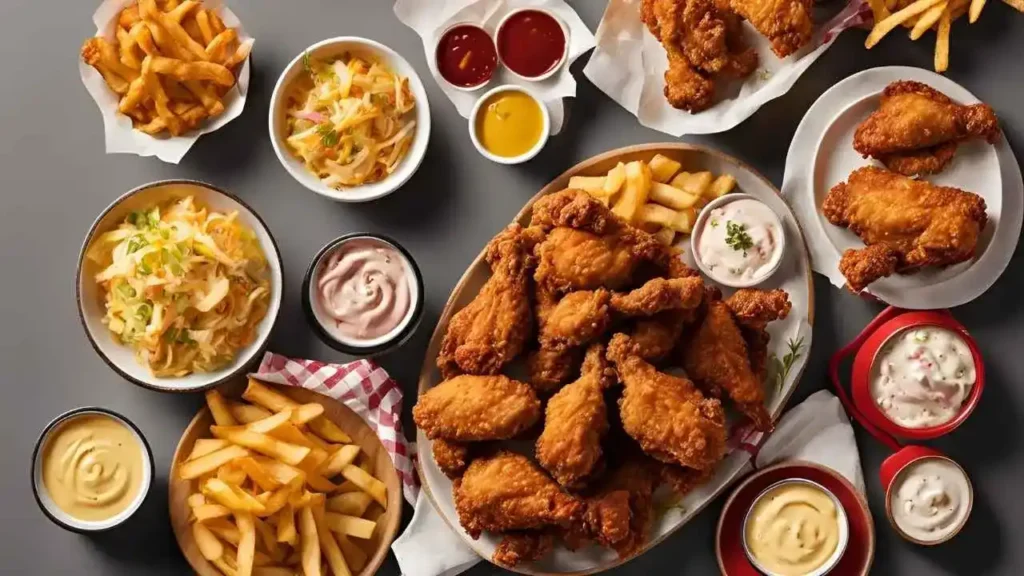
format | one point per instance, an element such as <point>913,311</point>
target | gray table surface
<point>56,178</point>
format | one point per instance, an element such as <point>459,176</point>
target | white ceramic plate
<point>821,155</point>
<point>91,301</point>
<point>793,275</point>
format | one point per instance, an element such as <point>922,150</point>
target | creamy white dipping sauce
<point>922,376</point>
<point>741,241</point>
<point>930,499</point>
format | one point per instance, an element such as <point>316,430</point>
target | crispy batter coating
<point>451,457</point>
<point>753,308</point>
<point>658,295</point>
<point>471,408</point>
<point>655,337</point>
<point>787,24</point>
<point>549,369</point>
<point>619,513</point>
<point>920,162</point>
<point>577,318</point>
<point>523,546</point>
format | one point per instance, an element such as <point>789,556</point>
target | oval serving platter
<point>793,333</point>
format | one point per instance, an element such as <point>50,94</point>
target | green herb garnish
<point>328,135</point>
<point>737,237</point>
<point>306,64</point>
<point>780,368</point>
<point>714,223</point>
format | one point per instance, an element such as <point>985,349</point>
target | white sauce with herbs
<point>930,499</point>
<point>741,241</point>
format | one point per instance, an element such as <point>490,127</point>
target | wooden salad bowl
<point>376,548</point>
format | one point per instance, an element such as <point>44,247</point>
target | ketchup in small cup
<point>466,57</point>
<point>531,43</point>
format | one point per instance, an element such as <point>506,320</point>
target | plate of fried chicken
<point>906,188</point>
<point>586,391</point>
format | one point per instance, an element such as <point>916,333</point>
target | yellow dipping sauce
<point>92,467</point>
<point>509,123</point>
<point>793,529</point>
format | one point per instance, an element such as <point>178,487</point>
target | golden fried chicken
<point>451,457</point>
<point>492,329</point>
<point>667,415</point>
<point>655,337</point>
<point>575,421</point>
<point>549,369</point>
<point>753,308</point>
<point>717,358</point>
<point>507,491</point>
<point>916,128</point>
<point>658,295</point>
<point>906,224</point>
<point>523,546</point>
<point>787,24</point>
<point>470,408</point>
<point>619,512</point>
<point>575,319</point>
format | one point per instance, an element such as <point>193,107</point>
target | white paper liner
<point>431,19</point>
<point>119,134</point>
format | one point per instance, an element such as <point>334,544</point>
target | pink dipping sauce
<point>364,287</point>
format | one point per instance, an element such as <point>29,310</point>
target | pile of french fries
<point>923,15</point>
<point>172,64</point>
<point>655,195</point>
<point>262,500</point>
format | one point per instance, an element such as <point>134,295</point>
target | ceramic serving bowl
<point>891,470</point>
<point>478,108</point>
<point>866,358</point>
<point>565,50</point>
<point>701,222</point>
<point>437,57</point>
<point>91,308</point>
<point>334,48</point>
<point>326,328</point>
<point>62,518</point>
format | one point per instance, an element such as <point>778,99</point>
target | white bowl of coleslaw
<point>224,333</point>
<point>322,141</point>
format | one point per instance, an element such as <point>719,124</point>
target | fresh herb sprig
<point>780,367</point>
<point>306,64</point>
<point>328,135</point>
<point>737,237</point>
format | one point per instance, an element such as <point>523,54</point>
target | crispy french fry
<point>203,22</point>
<point>879,10</point>
<point>286,526</point>
<point>196,500</point>
<point>672,197</point>
<point>720,187</point>
<point>367,483</point>
<point>262,443</point>
<point>589,184</point>
<point>261,394</point>
<point>208,545</point>
<point>224,567</point>
<point>635,191</point>
<point>350,503</point>
<point>126,47</point>
<point>185,43</point>
<point>267,538</point>
<point>231,475</point>
<point>259,475</point>
<point>210,462</point>
<point>329,546</point>
<point>210,511</point>
<point>348,486</point>
<point>246,543</point>
<point>663,168</point>
<point>183,70</point>
<point>976,7</point>
<point>270,423</point>
<point>329,431</point>
<point>219,409</point>
<point>310,543</point>
<point>928,19</point>
<point>942,42</point>
<point>695,183</point>
<point>306,412</point>
<point>279,471</point>
<point>217,49</point>
<point>616,178</point>
<point>248,413</point>
<point>225,530</point>
<point>350,525</point>
<point>354,555</point>
<point>343,457</point>
<point>665,236</point>
<point>236,500</point>
<point>204,446</point>
<point>885,26</point>
<point>179,12</point>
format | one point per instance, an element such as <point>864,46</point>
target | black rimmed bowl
<point>91,308</point>
<point>62,518</point>
<point>325,326</point>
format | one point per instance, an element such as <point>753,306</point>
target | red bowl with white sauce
<point>928,496</point>
<point>905,377</point>
<point>532,43</point>
<point>718,247</point>
<point>363,294</point>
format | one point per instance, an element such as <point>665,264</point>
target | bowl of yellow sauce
<point>795,527</point>
<point>91,470</point>
<point>509,124</point>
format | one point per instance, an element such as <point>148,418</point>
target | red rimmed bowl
<point>867,356</point>
<point>894,466</point>
<point>860,548</point>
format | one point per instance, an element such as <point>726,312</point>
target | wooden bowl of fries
<point>251,485</point>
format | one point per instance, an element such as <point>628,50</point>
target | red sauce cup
<point>867,356</point>
<point>532,43</point>
<point>466,56</point>
<point>891,469</point>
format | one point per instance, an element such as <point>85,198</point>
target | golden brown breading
<point>577,318</point>
<point>451,457</point>
<point>523,546</point>
<point>787,24</point>
<point>754,308</point>
<point>658,295</point>
<point>549,369</point>
<point>470,408</point>
<point>920,162</point>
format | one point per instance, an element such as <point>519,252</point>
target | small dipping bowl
<point>327,328</point>
<point>865,366</point>
<point>488,114</point>
<point>841,521</point>
<point>465,56</point>
<point>893,472</point>
<point>532,43</point>
<point>42,495</point>
<point>698,229</point>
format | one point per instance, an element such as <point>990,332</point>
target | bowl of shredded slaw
<point>349,119</point>
<point>179,285</point>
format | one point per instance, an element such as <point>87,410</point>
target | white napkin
<point>431,19</point>
<point>120,136</point>
<point>429,547</point>
<point>629,65</point>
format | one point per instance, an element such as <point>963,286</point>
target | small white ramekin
<point>698,229</point>
<point>529,154</point>
<point>558,65</point>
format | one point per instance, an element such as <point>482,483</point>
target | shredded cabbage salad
<point>347,120</point>
<point>184,286</point>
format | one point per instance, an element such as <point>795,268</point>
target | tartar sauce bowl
<point>47,504</point>
<point>842,524</point>
<point>895,472</point>
<point>503,27</point>
<point>364,275</point>
<point>333,48</point>
<point>481,108</point>
<point>704,220</point>
<point>866,369</point>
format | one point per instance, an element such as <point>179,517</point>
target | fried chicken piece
<point>658,295</point>
<point>787,24</point>
<point>619,513</point>
<point>508,492</point>
<point>575,421</point>
<point>523,546</point>
<point>471,408</point>
<point>577,318</point>
<point>492,329</point>
<point>686,89</point>
<point>681,480</point>
<point>754,309</point>
<point>716,357</point>
<point>916,128</point>
<point>906,224</point>
<point>451,457</point>
<point>655,337</point>
<point>549,369</point>
<point>667,415</point>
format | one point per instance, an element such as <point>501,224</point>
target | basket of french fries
<point>282,480</point>
<point>164,72</point>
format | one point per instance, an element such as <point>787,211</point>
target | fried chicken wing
<point>451,457</point>
<point>717,358</point>
<point>549,369</point>
<point>619,512</point>
<point>658,295</point>
<point>655,337</point>
<point>508,492</point>
<point>787,24</point>
<point>575,421</point>
<point>492,329</point>
<point>471,408</point>
<point>523,546</point>
<point>906,224</point>
<point>667,415</point>
<point>916,128</point>
<point>574,320</point>
<point>754,309</point>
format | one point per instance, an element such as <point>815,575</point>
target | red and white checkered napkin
<point>364,387</point>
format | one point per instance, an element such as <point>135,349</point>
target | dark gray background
<point>57,178</point>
